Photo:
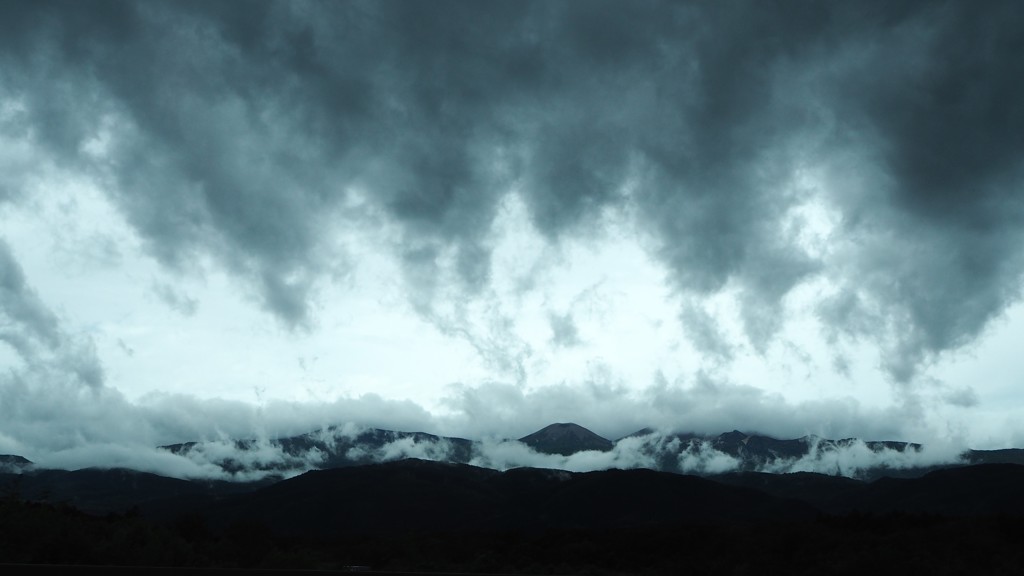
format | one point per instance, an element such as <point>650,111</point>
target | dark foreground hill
<point>980,490</point>
<point>118,490</point>
<point>420,496</point>
<point>425,495</point>
<point>427,516</point>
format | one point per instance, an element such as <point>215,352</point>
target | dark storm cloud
<point>235,131</point>
<point>938,130</point>
<point>35,333</point>
<point>25,321</point>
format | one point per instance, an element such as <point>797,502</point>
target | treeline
<point>32,532</point>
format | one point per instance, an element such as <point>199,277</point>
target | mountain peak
<point>565,438</point>
<point>14,463</point>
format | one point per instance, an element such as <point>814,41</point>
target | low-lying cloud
<point>653,451</point>
<point>251,460</point>
<point>854,457</point>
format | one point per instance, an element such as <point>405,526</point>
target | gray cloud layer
<point>235,130</point>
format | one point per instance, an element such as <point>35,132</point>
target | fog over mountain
<point>226,221</point>
<point>561,446</point>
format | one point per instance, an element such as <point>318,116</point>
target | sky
<point>224,219</point>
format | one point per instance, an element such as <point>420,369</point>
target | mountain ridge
<point>439,496</point>
<point>419,516</point>
<point>422,495</point>
<point>567,446</point>
<point>337,447</point>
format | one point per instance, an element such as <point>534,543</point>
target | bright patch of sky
<point>594,309</point>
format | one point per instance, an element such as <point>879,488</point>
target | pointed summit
<point>12,463</point>
<point>565,439</point>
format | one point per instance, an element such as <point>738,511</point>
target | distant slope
<point>1005,456</point>
<point>98,491</point>
<point>686,453</point>
<point>418,517</point>
<point>754,449</point>
<point>831,494</point>
<point>418,496</point>
<point>566,439</point>
<point>425,496</point>
<point>332,447</point>
<point>421,496</point>
<point>14,463</point>
<point>980,490</point>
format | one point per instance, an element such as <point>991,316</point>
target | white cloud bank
<point>261,458</point>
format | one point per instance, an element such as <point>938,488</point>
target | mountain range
<point>421,495</point>
<point>573,447</point>
<point>367,502</point>
<point>423,515</point>
<point>565,446</point>
<point>817,471</point>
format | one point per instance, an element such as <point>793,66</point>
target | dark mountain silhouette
<point>415,515</point>
<point>565,439</point>
<point>761,448</point>
<point>755,450</point>
<point>418,496</point>
<point>245,461</point>
<point>759,453</point>
<point>116,490</point>
<point>421,496</point>
<point>336,447</point>
<point>980,490</point>
<point>14,460</point>
<point>13,463</point>
<point>1004,456</point>
<point>826,493</point>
